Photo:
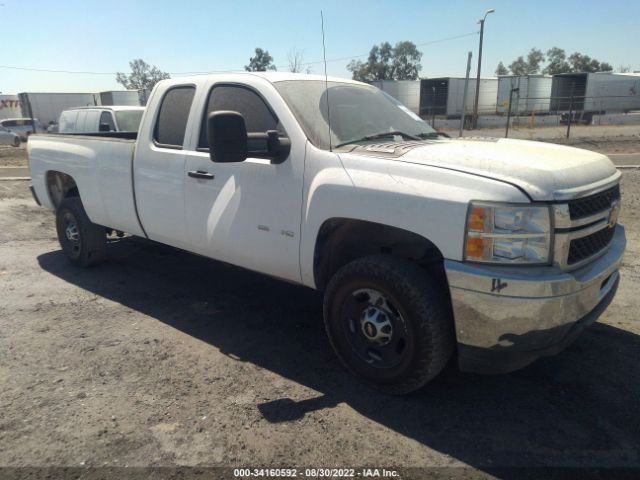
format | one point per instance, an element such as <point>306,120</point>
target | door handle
<point>201,174</point>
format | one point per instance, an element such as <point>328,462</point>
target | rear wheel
<point>83,242</point>
<point>389,322</point>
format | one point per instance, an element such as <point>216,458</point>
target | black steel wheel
<point>82,241</point>
<point>389,322</point>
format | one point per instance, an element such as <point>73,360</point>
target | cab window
<point>171,123</point>
<point>107,119</point>
<point>257,115</point>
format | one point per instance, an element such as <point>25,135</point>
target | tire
<point>16,142</point>
<point>389,323</point>
<point>83,242</point>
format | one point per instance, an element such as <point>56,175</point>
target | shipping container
<point>47,107</point>
<point>129,98</point>
<point>406,92</point>
<point>600,92</point>
<point>533,95</point>
<point>443,96</point>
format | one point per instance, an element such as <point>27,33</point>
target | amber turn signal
<point>476,219</point>
<point>475,247</point>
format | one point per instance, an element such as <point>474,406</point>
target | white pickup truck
<point>495,251</point>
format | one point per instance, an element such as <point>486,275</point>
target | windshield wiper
<point>380,135</point>
<point>425,135</point>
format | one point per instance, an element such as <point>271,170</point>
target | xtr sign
<point>9,104</point>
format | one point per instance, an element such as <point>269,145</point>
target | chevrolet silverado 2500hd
<point>497,251</point>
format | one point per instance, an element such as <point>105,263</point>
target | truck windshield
<point>357,111</point>
<point>129,120</point>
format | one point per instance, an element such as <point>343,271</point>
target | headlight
<point>508,233</point>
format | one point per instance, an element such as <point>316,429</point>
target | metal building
<point>47,107</point>
<point>533,95</point>
<point>406,92</point>
<point>599,92</point>
<point>443,96</point>
<point>120,97</point>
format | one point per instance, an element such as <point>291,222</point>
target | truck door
<point>246,213</point>
<point>159,169</point>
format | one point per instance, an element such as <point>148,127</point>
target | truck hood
<point>544,171</point>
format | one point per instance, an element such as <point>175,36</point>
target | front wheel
<point>83,242</point>
<point>16,142</point>
<point>389,322</point>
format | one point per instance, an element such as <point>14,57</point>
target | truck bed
<point>121,135</point>
<point>99,163</point>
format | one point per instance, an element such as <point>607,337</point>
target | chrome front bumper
<point>506,317</point>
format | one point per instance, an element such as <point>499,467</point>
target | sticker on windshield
<point>410,113</point>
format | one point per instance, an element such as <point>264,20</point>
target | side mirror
<point>227,134</point>
<point>104,127</point>
<point>278,147</point>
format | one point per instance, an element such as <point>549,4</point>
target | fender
<point>428,201</point>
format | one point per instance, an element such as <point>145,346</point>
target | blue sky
<point>196,36</point>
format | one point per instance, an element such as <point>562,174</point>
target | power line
<point>30,69</point>
<point>341,59</point>
<point>367,54</point>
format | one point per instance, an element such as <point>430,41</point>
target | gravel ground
<point>12,156</point>
<point>162,358</point>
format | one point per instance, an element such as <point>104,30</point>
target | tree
<point>385,62</point>
<point>406,61</point>
<point>530,66</point>
<point>295,58</point>
<point>534,58</point>
<point>260,62</point>
<point>584,63</point>
<point>501,69</point>
<point>557,62</point>
<point>518,66</point>
<point>142,77</point>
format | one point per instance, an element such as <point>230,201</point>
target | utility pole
<point>573,85</point>
<point>475,103</point>
<point>506,133</point>
<point>464,94</point>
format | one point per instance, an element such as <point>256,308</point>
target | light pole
<point>475,103</point>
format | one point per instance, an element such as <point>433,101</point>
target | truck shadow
<point>551,413</point>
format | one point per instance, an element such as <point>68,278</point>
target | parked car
<point>498,251</point>
<point>22,126</point>
<point>9,138</point>
<point>100,119</point>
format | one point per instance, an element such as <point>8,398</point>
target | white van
<point>100,119</point>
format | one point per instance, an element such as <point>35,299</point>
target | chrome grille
<point>585,247</point>
<point>585,207</point>
<point>583,229</point>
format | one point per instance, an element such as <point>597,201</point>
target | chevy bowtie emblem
<point>613,214</point>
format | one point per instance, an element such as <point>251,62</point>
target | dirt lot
<point>161,358</point>
<point>12,156</point>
